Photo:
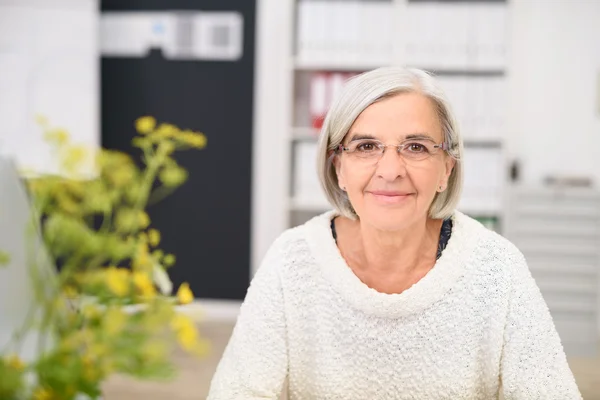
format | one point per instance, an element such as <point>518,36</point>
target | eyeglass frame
<point>444,146</point>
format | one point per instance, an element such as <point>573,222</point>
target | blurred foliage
<point>109,309</point>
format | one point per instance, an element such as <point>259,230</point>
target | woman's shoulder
<point>490,246</point>
<point>304,237</point>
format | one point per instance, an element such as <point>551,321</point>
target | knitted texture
<point>476,322</point>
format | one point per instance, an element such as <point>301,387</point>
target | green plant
<point>109,309</point>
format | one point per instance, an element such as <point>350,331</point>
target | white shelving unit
<point>558,231</point>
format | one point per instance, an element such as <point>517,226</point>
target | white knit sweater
<point>475,320</point>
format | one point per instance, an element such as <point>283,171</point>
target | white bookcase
<point>299,38</point>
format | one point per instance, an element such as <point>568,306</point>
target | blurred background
<point>257,76</point>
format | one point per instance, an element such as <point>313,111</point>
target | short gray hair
<point>359,93</point>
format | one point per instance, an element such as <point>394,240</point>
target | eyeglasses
<point>411,150</point>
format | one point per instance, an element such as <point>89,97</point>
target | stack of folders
<point>479,103</point>
<point>344,32</point>
<point>324,88</point>
<point>459,36</point>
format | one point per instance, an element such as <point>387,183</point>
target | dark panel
<point>206,223</point>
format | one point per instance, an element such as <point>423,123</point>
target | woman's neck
<point>401,252</point>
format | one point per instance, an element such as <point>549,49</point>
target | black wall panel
<point>206,223</point>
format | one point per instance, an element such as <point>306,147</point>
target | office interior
<point>256,78</point>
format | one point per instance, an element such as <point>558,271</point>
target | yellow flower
<point>41,120</point>
<point>193,139</point>
<point>169,260</point>
<point>129,220</point>
<point>144,284</point>
<point>58,136</point>
<point>153,237</point>
<point>42,393</point>
<point>167,130</point>
<point>173,175</point>
<point>142,257</point>
<point>121,176</point>
<point>186,332</point>
<point>184,294</point>
<point>114,320</point>
<point>73,157</point>
<point>117,280</point>
<point>145,125</point>
<point>143,219</point>
<point>15,362</point>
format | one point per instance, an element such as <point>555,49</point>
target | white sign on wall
<point>195,35</point>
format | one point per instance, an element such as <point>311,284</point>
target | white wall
<point>554,99</point>
<point>48,66</point>
<point>554,117</point>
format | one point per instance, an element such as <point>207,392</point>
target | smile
<point>390,197</point>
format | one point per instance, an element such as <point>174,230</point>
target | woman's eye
<point>417,148</point>
<point>366,147</point>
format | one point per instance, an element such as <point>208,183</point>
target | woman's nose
<point>391,165</point>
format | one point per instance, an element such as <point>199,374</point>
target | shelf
<point>305,64</point>
<point>301,64</point>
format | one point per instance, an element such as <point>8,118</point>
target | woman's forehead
<point>352,136</point>
<point>398,118</point>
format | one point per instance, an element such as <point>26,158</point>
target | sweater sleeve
<point>254,364</point>
<point>534,365</point>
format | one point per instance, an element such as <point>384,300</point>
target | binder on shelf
<point>324,87</point>
<point>318,102</point>
<point>479,103</point>
<point>456,36</point>
<point>349,32</point>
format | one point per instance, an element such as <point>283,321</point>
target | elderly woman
<point>395,294</point>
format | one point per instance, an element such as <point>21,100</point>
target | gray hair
<point>360,92</point>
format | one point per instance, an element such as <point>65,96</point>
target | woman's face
<point>394,190</point>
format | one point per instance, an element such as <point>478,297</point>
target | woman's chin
<point>390,219</point>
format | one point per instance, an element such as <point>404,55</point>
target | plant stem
<point>160,193</point>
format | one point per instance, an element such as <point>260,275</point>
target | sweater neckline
<point>429,289</point>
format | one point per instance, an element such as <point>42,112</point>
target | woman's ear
<point>337,163</point>
<point>450,163</point>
